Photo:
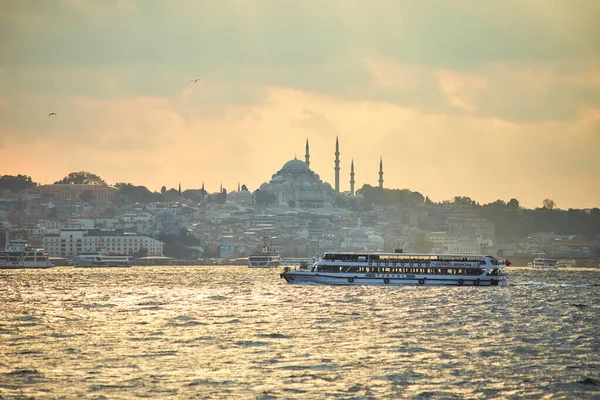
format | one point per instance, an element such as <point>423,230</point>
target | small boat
<point>100,259</point>
<point>264,258</point>
<point>395,269</point>
<point>546,263</point>
<point>18,254</point>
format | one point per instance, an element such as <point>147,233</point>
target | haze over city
<point>492,100</point>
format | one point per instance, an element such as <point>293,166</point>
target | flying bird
<point>196,80</point>
<point>51,114</point>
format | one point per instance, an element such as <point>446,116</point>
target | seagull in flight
<point>51,114</point>
<point>197,80</point>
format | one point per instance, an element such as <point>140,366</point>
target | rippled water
<point>234,332</point>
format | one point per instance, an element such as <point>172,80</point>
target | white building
<point>69,243</point>
<point>445,242</point>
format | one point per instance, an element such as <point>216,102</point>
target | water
<point>234,332</point>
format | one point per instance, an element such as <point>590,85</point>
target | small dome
<point>165,215</point>
<point>375,242</point>
<point>376,239</point>
<point>294,165</point>
<point>265,186</point>
<point>358,233</point>
<point>306,186</point>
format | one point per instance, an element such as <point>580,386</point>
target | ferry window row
<point>399,258</point>
<point>402,270</point>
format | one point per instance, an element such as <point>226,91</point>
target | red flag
<point>507,263</point>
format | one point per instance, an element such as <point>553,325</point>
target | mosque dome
<point>306,186</point>
<point>265,186</point>
<point>294,165</point>
<point>376,242</point>
<point>165,215</point>
<point>358,233</point>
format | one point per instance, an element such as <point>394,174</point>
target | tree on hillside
<point>376,195</point>
<point>463,200</point>
<point>16,183</point>
<point>548,204</point>
<point>262,197</point>
<point>81,178</point>
<point>137,194</point>
<point>513,204</point>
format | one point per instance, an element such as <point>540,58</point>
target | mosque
<point>296,185</point>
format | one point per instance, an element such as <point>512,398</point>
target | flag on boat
<point>507,263</point>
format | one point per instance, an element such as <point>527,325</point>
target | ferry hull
<point>301,277</point>
<point>90,264</point>
<point>271,264</point>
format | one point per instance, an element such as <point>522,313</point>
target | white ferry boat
<point>18,254</point>
<point>264,258</point>
<point>401,269</point>
<point>90,260</point>
<point>566,263</point>
<point>547,263</point>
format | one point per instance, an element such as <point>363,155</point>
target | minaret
<point>221,188</point>
<point>381,173</point>
<point>337,165</point>
<point>180,188</point>
<point>307,156</point>
<point>238,187</point>
<point>203,192</point>
<point>352,178</point>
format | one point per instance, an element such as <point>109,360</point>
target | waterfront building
<point>71,242</point>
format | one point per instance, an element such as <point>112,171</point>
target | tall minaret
<point>238,187</point>
<point>352,178</point>
<point>180,188</point>
<point>337,165</point>
<point>221,188</point>
<point>307,156</point>
<point>203,192</point>
<point>381,173</point>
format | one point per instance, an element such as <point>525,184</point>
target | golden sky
<point>488,99</point>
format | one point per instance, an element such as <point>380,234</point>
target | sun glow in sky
<point>487,99</point>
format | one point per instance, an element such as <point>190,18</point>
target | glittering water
<point>234,332</point>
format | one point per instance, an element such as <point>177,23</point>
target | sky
<point>493,99</point>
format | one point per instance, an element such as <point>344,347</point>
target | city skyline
<point>486,100</point>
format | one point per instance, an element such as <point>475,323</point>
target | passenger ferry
<point>401,269</point>
<point>264,258</point>
<point>19,255</point>
<point>90,260</point>
<point>547,263</point>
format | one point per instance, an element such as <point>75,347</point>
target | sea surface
<point>234,332</point>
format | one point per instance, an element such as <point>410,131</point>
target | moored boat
<point>91,260</point>
<point>264,258</point>
<point>397,269</point>
<point>546,263</point>
<point>18,254</point>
